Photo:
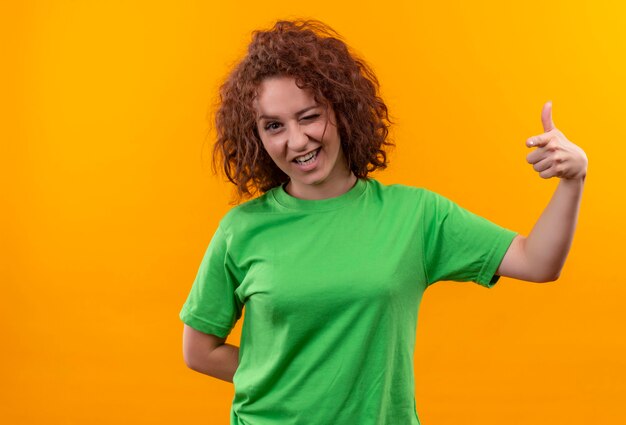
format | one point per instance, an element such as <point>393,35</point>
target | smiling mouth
<point>308,158</point>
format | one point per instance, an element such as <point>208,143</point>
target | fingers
<point>548,167</point>
<point>543,165</point>
<point>555,170</point>
<point>549,163</point>
<point>536,156</point>
<point>555,156</point>
<point>540,140</point>
<point>546,117</point>
<point>548,127</point>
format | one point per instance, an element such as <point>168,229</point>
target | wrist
<point>575,180</point>
<point>574,185</point>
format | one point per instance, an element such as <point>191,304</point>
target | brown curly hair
<point>314,54</point>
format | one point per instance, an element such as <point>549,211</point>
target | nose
<point>297,139</point>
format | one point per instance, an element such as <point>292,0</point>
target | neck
<point>328,189</point>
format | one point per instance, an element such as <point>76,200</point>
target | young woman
<point>331,265</point>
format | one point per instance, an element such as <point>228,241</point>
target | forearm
<point>549,242</point>
<point>221,363</point>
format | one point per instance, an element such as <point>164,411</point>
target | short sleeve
<point>460,245</point>
<point>212,306</point>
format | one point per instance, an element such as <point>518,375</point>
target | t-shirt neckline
<point>286,200</point>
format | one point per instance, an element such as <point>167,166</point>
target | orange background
<point>109,202</point>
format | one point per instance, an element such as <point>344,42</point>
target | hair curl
<point>314,54</point>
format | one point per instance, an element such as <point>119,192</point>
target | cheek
<point>325,132</point>
<point>267,145</point>
<point>273,150</point>
<point>331,138</point>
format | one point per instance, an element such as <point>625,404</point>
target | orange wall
<point>108,200</point>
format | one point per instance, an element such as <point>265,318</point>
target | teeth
<point>306,157</point>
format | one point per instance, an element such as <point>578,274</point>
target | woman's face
<point>302,139</point>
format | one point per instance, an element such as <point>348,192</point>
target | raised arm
<point>541,256</point>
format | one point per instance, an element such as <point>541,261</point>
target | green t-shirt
<point>332,289</point>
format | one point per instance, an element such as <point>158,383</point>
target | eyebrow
<point>268,117</point>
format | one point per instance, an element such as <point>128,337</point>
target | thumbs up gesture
<point>555,156</point>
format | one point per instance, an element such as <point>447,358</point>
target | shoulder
<point>400,192</point>
<point>248,212</point>
<point>401,200</point>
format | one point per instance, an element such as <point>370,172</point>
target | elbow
<point>192,360</point>
<point>196,366</point>
<point>549,278</point>
<point>188,361</point>
<point>198,361</point>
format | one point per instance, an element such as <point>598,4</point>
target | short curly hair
<point>314,54</point>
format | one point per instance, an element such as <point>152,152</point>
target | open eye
<point>271,126</point>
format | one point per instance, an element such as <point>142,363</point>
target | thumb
<point>546,117</point>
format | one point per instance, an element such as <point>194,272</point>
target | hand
<point>555,156</point>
